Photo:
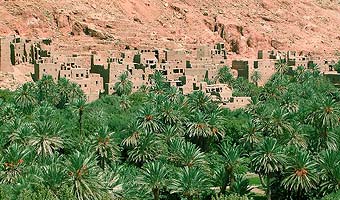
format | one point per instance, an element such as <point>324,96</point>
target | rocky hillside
<point>246,25</point>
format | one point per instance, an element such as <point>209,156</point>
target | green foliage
<point>12,54</point>
<point>124,86</point>
<point>160,144</point>
<point>224,76</point>
<point>337,66</point>
<point>332,196</point>
<point>47,41</point>
<point>231,197</point>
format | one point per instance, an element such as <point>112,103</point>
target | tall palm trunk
<point>224,183</point>
<point>226,179</point>
<point>230,173</point>
<point>80,121</point>
<point>299,194</point>
<point>269,192</point>
<point>155,192</point>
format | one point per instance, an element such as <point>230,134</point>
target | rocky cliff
<point>245,25</point>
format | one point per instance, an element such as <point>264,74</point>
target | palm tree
<point>230,197</point>
<point>232,158</point>
<point>64,91</point>
<point>154,178</point>
<point>278,123</point>
<point>185,153</point>
<point>13,161</point>
<point>172,94</point>
<point>281,67</point>
<point>198,125</point>
<point>148,119</point>
<point>124,102</point>
<point>147,149</point>
<point>45,86</point>
<point>300,174</point>
<point>290,105</point>
<point>47,138</point>
<point>144,89</point>
<point>8,112</point>
<point>17,131</point>
<point>215,123</point>
<point>84,176</point>
<point>112,183</point>
<point>315,69</point>
<point>158,80</point>
<point>199,130</point>
<point>267,160</point>
<point>130,177</point>
<point>327,115</point>
<point>133,134</point>
<point>256,77</point>
<point>124,85</point>
<point>199,101</point>
<point>53,176</point>
<point>171,133</point>
<point>44,113</point>
<point>241,186</point>
<point>190,182</point>
<point>170,113</point>
<point>74,92</point>
<point>103,143</point>
<point>78,105</point>
<point>224,76</point>
<point>297,138</point>
<point>324,119</point>
<point>252,135</point>
<point>25,97</point>
<point>299,73</point>
<point>329,163</point>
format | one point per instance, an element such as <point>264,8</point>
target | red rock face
<point>244,25</point>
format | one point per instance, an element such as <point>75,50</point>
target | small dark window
<point>256,64</point>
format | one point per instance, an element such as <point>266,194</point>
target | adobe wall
<point>199,73</point>
<point>91,86</point>
<point>175,55</point>
<point>238,102</point>
<point>5,55</point>
<point>47,69</point>
<point>266,68</point>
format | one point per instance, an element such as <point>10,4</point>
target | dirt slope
<point>246,25</point>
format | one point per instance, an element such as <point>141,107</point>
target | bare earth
<point>246,25</point>
<point>21,74</point>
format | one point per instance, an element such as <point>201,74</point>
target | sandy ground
<point>20,75</point>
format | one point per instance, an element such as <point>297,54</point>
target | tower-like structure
<point>5,55</point>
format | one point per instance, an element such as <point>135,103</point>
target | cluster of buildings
<point>189,70</point>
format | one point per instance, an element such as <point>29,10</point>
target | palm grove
<point>159,144</point>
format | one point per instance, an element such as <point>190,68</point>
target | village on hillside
<point>189,70</point>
